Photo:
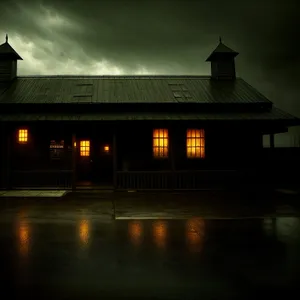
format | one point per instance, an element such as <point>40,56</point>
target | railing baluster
<point>182,179</point>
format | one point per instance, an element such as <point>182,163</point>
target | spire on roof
<point>6,51</point>
<point>222,50</point>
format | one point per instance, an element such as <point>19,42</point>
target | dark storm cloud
<point>157,31</point>
<point>163,36</point>
<point>152,33</point>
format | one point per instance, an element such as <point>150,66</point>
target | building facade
<point>133,132</point>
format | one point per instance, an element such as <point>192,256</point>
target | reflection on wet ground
<point>167,259</point>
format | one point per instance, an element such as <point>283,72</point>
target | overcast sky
<point>159,37</point>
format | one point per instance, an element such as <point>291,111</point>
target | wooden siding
<point>227,148</point>
<point>8,70</point>
<point>223,69</point>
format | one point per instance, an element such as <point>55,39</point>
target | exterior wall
<point>35,154</point>
<point>2,155</point>
<point>5,156</point>
<point>227,147</point>
<point>8,70</point>
<point>31,163</point>
<point>223,68</point>
<point>134,148</point>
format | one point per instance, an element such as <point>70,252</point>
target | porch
<point>113,159</point>
<point>130,180</point>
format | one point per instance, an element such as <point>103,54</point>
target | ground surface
<point>76,247</point>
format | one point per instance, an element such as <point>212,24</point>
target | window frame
<point>22,136</point>
<point>192,154</point>
<point>84,148</point>
<point>56,149</point>
<point>160,151</point>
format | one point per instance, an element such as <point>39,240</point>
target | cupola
<point>8,62</point>
<point>222,62</point>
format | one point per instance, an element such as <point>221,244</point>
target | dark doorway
<point>94,162</point>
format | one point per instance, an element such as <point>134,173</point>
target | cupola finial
<point>6,38</point>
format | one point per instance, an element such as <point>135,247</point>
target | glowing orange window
<point>195,143</point>
<point>84,148</point>
<point>160,143</point>
<point>23,136</point>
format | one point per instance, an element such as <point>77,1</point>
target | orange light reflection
<point>195,231</point>
<point>24,237</point>
<point>84,232</point>
<point>135,232</point>
<point>160,233</point>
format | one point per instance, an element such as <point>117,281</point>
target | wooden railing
<point>41,178</point>
<point>167,180</point>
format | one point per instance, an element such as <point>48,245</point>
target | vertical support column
<point>74,152</point>
<point>115,159</point>
<point>3,157</point>
<point>6,138</point>
<point>172,156</point>
<point>272,142</point>
<point>272,145</point>
<point>8,162</point>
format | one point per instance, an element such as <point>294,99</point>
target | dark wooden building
<point>133,132</point>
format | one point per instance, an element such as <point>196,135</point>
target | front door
<point>84,161</point>
<point>94,162</point>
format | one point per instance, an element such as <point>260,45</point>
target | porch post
<point>115,160</point>
<point>8,162</point>
<point>3,157</point>
<point>272,143</point>
<point>74,175</point>
<point>172,159</point>
<point>6,157</point>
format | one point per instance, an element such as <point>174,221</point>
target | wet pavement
<point>33,193</point>
<point>206,204</point>
<point>75,249</point>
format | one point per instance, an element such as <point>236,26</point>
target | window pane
<point>166,141</point>
<point>202,152</point>
<point>161,142</point>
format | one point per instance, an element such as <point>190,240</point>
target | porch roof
<point>274,115</point>
<point>129,89</point>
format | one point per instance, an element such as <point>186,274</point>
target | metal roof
<point>274,115</point>
<point>129,89</point>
